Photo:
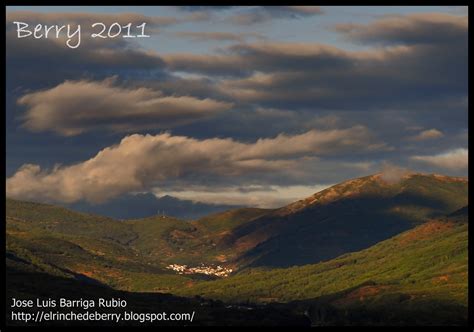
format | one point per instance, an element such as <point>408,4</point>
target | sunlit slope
<point>130,254</point>
<point>58,220</point>
<point>175,241</point>
<point>222,222</point>
<point>63,242</point>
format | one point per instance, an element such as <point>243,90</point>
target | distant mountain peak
<point>377,183</point>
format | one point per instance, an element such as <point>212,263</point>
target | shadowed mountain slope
<point>347,217</point>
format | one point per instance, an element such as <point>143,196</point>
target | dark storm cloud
<point>265,13</point>
<point>256,14</point>
<point>415,70</point>
<point>244,59</point>
<point>87,19</point>
<point>217,36</point>
<point>93,55</point>
<point>410,29</point>
<point>204,8</point>
<point>276,57</point>
<point>33,63</point>
<point>317,76</point>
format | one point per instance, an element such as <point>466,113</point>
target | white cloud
<point>456,159</point>
<point>427,135</point>
<point>74,107</point>
<point>142,162</point>
<point>393,173</point>
<point>268,197</point>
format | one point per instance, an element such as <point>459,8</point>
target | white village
<point>218,271</point>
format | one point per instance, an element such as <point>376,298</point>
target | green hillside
<point>52,251</point>
<point>171,240</point>
<point>66,243</point>
<point>52,219</point>
<point>228,220</point>
<point>361,252</point>
<point>130,255</point>
<point>418,274</point>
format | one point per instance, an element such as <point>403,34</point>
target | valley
<point>348,254</point>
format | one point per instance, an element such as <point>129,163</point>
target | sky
<point>256,106</point>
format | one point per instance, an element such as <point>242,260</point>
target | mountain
<point>172,240</point>
<point>52,252</point>
<point>359,249</point>
<point>416,277</point>
<point>460,215</point>
<point>128,255</point>
<point>347,217</point>
<point>142,205</point>
<point>100,248</point>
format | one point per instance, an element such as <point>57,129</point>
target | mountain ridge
<point>400,205</point>
<point>304,259</point>
<point>348,216</point>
